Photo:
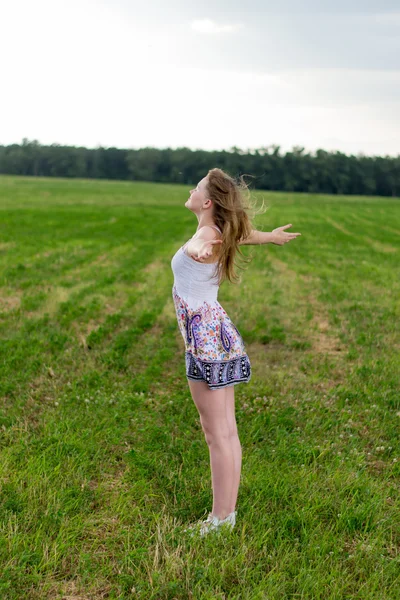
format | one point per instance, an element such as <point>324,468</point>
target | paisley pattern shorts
<point>214,349</point>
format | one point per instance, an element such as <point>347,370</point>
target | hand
<point>205,250</point>
<point>280,237</point>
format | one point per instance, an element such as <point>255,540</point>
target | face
<point>198,200</point>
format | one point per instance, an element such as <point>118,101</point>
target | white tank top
<point>194,281</point>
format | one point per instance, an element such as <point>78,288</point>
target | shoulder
<point>207,233</point>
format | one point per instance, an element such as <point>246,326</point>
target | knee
<point>217,438</point>
<point>218,435</point>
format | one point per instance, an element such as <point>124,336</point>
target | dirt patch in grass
<point>9,302</point>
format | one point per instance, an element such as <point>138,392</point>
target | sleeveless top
<point>194,281</point>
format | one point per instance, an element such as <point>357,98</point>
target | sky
<point>205,75</point>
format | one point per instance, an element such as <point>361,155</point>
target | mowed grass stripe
<point>103,325</point>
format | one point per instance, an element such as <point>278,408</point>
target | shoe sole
<point>194,531</point>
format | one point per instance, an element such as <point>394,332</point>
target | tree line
<point>270,169</point>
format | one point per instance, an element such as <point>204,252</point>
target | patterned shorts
<point>214,349</point>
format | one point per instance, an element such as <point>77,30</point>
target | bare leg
<point>211,405</point>
<point>235,444</point>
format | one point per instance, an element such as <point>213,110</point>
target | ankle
<point>223,516</point>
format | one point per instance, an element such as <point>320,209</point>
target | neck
<point>205,221</point>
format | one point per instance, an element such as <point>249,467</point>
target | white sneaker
<point>212,523</point>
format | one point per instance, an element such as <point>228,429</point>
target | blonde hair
<point>234,212</point>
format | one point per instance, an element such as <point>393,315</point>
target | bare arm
<point>278,236</point>
<point>202,247</point>
<point>258,237</point>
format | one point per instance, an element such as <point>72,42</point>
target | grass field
<point>103,460</point>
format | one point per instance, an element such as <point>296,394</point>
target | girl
<point>215,355</point>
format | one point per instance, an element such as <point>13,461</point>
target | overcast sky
<point>202,74</point>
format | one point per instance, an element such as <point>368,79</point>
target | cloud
<point>315,80</point>
<point>209,26</point>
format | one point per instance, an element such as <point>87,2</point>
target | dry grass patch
<point>83,330</point>
<point>57,294</point>
<point>338,226</point>
<point>110,257</point>
<point>151,339</point>
<point>372,224</point>
<point>272,362</point>
<point>380,246</point>
<point>103,260</point>
<point>74,590</point>
<point>168,312</point>
<point>7,245</point>
<point>154,266</point>
<point>9,301</point>
<point>319,329</point>
<point>323,338</point>
<point>375,244</point>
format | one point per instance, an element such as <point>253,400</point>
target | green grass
<point>102,453</point>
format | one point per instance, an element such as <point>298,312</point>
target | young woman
<point>215,355</point>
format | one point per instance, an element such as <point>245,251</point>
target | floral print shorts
<point>214,349</point>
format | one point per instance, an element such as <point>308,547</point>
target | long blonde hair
<point>233,214</point>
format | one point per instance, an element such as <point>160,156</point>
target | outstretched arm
<point>257,237</point>
<point>277,236</point>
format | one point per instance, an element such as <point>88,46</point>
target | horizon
<point>227,150</point>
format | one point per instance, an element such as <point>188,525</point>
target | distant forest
<point>294,171</point>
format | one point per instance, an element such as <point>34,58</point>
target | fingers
<point>292,232</point>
